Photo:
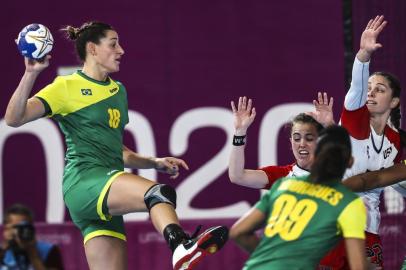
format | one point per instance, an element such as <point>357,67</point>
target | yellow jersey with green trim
<point>304,221</point>
<point>92,115</point>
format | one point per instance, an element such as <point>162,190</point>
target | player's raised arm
<point>357,94</point>
<point>34,42</point>
<point>21,109</point>
<point>244,114</point>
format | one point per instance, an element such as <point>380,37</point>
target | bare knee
<point>126,194</point>
<point>130,193</point>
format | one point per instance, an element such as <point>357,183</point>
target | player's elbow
<point>12,122</point>
<point>235,178</point>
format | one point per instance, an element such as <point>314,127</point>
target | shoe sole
<point>213,240</point>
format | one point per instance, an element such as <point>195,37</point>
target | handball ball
<point>35,41</point>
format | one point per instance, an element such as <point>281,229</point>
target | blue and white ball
<point>35,41</point>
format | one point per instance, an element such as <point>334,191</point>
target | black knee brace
<point>160,193</point>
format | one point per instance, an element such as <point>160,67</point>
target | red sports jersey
<point>276,172</point>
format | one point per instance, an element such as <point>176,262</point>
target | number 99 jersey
<point>304,221</point>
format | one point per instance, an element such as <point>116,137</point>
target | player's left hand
<point>170,165</point>
<point>323,110</point>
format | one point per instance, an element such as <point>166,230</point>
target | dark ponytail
<point>332,155</point>
<point>395,115</point>
<point>88,32</point>
<point>71,32</point>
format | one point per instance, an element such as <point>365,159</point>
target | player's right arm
<point>21,109</point>
<point>244,115</point>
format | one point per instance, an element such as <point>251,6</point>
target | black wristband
<point>239,140</point>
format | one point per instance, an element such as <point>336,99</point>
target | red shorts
<point>336,259</point>
<point>374,248</point>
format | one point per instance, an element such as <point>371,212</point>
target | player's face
<point>108,52</point>
<point>303,139</point>
<point>13,219</point>
<point>380,100</point>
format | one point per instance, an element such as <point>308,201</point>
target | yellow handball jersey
<point>92,115</point>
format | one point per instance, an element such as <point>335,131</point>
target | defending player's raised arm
<point>20,109</point>
<point>357,94</point>
<point>376,179</point>
<point>244,115</point>
<point>368,43</point>
<point>168,165</point>
<point>323,110</point>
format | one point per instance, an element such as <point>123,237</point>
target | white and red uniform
<point>276,172</point>
<point>371,151</point>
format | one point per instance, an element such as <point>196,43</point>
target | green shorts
<point>87,204</point>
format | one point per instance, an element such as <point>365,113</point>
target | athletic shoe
<point>191,252</point>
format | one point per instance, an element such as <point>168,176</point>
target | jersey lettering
<point>368,152</point>
<point>387,152</point>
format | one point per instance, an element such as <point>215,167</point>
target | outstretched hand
<point>323,110</point>
<point>170,165</point>
<point>369,38</point>
<point>244,115</point>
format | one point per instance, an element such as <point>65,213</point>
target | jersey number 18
<point>114,117</point>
